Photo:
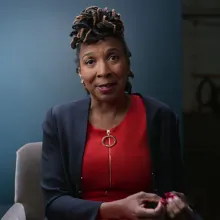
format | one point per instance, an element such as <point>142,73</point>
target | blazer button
<point>81,177</point>
<point>80,192</point>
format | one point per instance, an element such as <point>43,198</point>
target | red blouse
<point>114,173</point>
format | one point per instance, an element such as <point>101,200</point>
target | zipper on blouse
<point>109,160</point>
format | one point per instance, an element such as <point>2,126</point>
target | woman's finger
<point>151,213</point>
<point>150,197</point>
<point>180,195</point>
<point>160,209</point>
<point>179,203</point>
<point>172,209</point>
<point>182,207</point>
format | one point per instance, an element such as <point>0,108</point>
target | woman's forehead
<point>109,43</point>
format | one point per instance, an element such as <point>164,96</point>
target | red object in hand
<point>163,201</point>
<point>169,195</point>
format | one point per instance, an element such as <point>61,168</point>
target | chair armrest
<point>16,212</point>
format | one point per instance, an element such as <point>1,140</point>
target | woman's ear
<point>131,74</point>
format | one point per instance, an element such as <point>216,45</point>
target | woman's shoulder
<point>157,109</point>
<point>155,105</point>
<point>70,108</point>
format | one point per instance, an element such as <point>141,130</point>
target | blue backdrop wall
<point>37,67</point>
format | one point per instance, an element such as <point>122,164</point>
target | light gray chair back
<point>27,180</point>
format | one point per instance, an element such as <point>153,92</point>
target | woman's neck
<point>117,106</point>
<point>106,115</point>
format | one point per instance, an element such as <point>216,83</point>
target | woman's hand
<point>178,208</point>
<point>134,207</point>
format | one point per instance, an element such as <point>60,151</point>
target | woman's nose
<point>103,69</point>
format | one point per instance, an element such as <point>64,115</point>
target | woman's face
<point>104,68</point>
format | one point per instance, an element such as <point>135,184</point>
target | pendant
<point>109,140</point>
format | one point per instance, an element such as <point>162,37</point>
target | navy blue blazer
<point>64,137</point>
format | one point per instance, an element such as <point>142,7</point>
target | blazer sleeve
<point>171,149</point>
<point>170,144</point>
<point>59,204</point>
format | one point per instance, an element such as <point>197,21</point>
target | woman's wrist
<point>111,210</point>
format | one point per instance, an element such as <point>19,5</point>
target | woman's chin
<point>106,97</point>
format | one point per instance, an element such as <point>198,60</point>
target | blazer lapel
<point>78,139</point>
<point>162,181</point>
<point>151,128</point>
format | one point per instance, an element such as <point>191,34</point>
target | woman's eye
<point>90,62</point>
<point>114,58</point>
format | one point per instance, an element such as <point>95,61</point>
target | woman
<point>115,154</point>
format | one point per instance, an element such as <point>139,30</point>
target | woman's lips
<point>106,88</point>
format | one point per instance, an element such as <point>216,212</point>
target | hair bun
<point>94,24</point>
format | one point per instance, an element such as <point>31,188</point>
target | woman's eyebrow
<point>113,49</point>
<point>87,54</point>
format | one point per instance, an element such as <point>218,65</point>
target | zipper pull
<point>108,132</point>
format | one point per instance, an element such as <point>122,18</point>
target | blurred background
<point>201,102</point>
<point>175,58</point>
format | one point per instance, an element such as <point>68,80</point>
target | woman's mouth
<point>106,88</point>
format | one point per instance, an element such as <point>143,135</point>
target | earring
<point>82,81</point>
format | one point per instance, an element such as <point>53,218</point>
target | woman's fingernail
<point>169,200</point>
<point>175,198</point>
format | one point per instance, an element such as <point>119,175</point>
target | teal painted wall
<point>37,67</point>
